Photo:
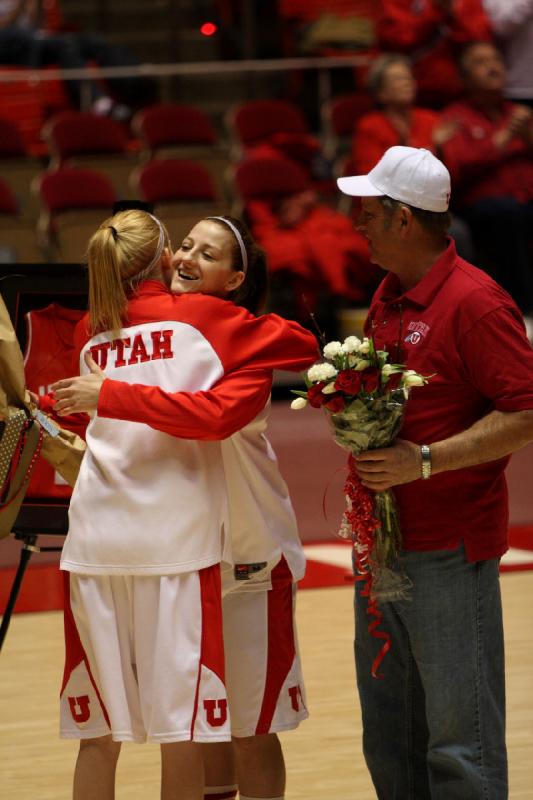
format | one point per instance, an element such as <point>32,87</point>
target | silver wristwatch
<point>425,452</point>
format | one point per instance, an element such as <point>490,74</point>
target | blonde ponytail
<point>125,250</point>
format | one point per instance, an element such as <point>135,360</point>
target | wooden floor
<point>323,756</point>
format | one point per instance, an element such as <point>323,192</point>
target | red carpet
<point>328,565</point>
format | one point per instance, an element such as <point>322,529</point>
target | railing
<point>189,69</point>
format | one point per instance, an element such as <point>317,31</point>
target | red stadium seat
<point>173,124</point>
<point>74,202</point>
<point>79,138</point>
<point>267,179</point>
<point>256,121</point>
<point>182,192</point>
<point>339,116</point>
<point>175,130</point>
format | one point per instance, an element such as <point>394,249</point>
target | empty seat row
<point>73,201</point>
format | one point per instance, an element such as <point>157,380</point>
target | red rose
<point>348,381</point>
<point>334,402</point>
<point>315,396</point>
<point>370,378</point>
<point>394,381</point>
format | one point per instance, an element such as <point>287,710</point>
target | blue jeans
<point>434,725</point>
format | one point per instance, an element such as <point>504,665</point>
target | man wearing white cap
<point>434,726</point>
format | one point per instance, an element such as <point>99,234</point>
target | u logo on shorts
<point>216,720</point>
<point>79,708</point>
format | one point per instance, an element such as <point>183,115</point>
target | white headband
<point>240,242</point>
<point>160,245</point>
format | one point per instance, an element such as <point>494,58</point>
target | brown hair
<point>378,70</point>
<point>124,251</point>
<point>252,292</point>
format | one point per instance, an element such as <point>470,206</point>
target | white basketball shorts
<point>144,658</point>
<point>263,672</point>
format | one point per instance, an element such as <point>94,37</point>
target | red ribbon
<point>364,524</point>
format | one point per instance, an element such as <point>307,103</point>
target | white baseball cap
<point>411,175</point>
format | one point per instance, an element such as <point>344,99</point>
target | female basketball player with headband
<point>143,550</point>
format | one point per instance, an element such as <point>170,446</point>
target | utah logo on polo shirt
<point>417,332</point>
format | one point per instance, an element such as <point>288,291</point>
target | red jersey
<point>50,355</point>
<point>374,133</point>
<point>460,327</point>
<point>478,168</point>
<point>432,38</point>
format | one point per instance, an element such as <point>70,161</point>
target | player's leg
<point>182,771</point>
<point>94,776</point>
<point>264,681</point>
<point>260,766</point>
<point>219,768</point>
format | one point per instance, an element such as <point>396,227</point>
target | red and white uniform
<point>263,671</point>
<point>264,677</point>
<point>50,355</point>
<point>146,505</point>
<point>135,479</point>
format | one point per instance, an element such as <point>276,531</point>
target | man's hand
<point>79,394</point>
<point>518,125</point>
<point>391,466</point>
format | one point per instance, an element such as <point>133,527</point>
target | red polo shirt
<point>458,325</point>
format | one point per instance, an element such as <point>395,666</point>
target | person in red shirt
<point>430,32</point>
<point>490,157</point>
<point>397,121</point>
<point>434,726</point>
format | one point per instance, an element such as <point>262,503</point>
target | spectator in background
<point>512,22</point>
<point>318,262</point>
<point>431,32</point>
<point>490,158</point>
<point>25,41</point>
<point>399,122</point>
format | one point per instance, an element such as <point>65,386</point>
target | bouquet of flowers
<point>365,396</point>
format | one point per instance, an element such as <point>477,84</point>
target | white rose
<point>332,349</point>
<point>298,403</point>
<point>351,344</point>
<point>359,366</point>
<point>412,378</point>
<point>329,388</point>
<point>389,369</point>
<point>365,346</point>
<point>321,372</point>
